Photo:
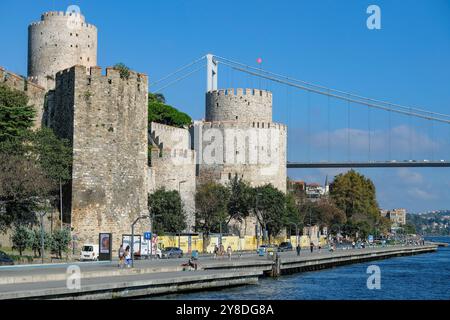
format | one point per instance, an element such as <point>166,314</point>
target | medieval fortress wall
<point>57,42</point>
<point>105,119</point>
<point>172,165</point>
<point>239,138</point>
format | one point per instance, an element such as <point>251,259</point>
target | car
<point>5,260</point>
<point>89,252</point>
<point>285,246</point>
<point>265,248</point>
<point>171,252</point>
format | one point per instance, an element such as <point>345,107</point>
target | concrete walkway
<point>106,280</point>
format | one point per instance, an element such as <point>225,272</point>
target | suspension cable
<point>335,91</point>
<point>358,102</point>
<point>177,71</point>
<point>179,79</point>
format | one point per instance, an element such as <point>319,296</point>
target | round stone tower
<point>245,105</point>
<point>57,42</point>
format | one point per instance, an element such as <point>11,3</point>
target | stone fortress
<point>104,116</point>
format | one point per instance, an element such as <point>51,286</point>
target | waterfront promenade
<point>103,280</point>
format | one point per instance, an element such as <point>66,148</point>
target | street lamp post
<point>257,213</point>
<point>132,237</point>
<point>41,217</point>
<point>179,192</point>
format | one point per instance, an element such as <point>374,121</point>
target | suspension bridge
<point>352,101</point>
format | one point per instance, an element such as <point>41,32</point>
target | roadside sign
<point>370,238</point>
<point>147,235</point>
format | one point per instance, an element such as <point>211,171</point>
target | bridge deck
<point>374,164</point>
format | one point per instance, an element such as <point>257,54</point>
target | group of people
<point>124,257</point>
<point>220,251</point>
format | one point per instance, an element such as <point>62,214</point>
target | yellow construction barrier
<point>247,243</point>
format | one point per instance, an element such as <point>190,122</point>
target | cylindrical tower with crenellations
<point>57,42</point>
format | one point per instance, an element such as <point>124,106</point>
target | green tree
<point>159,111</point>
<point>167,208</point>
<point>16,116</point>
<point>124,71</point>
<point>53,154</point>
<point>239,206</point>
<point>60,240</point>
<point>270,208</point>
<point>293,214</point>
<point>356,196</point>
<point>20,238</point>
<point>211,200</point>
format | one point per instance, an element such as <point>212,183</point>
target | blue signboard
<point>147,235</point>
<point>370,238</point>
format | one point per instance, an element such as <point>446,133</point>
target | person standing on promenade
<point>229,252</point>
<point>311,246</point>
<point>353,245</point>
<point>128,256</point>
<point>298,249</point>
<point>121,256</point>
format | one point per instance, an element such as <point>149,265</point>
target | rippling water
<point>424,276</point>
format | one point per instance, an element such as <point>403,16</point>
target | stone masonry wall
<point>105,117</point>
<point>173,166</point>
<point>245,105</point>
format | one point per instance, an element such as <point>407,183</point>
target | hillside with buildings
<point>436,223</point>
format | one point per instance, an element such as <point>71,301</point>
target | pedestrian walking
<point>353,245</point>
<point>229,251</point>
<point>221,250</point>
<point>311,246</point>
<point>216,251</point>
<point>298,249</point>
<point>121,254</point>
<point>128,256</point>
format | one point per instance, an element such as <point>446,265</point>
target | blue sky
<point>325,42</point>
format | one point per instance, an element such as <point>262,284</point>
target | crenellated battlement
<point>49,15</point>
<point>239,105</point>
<point>242,92</point>
<point>243,125</point>
<point>18,82</point>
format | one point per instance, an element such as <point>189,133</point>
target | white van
<point>89,252</point>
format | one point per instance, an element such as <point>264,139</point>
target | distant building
<point>397,216</point>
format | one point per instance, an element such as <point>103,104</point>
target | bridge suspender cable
<point>308,84</point>
<point>359,102</point>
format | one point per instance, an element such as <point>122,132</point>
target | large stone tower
<point>105,119</point>
<point>57,42</point>
<point>238,138</point>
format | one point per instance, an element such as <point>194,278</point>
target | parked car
<point>5,260</point>
<point>171,252</point>
<point>285,246</point>
<point>265,248</point>
<point>89,252</point>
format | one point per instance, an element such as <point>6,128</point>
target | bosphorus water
<point>423,276</point>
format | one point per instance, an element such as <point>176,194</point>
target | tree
<point>293,214</point>
<point>60,241</point>
<point>409,228</point>
<point>124,71</point>
<point>53,154</point>
<point>269,207</point>
<point>16,116</point>
<point>20,238</point>
<point>239,206</point>
<point>159,111</point>
<point>167,208</point>
<point>356,196</point>
<point>211,200</point>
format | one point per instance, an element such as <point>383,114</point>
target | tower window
<point>229,175</point>
<point>71,34</point>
